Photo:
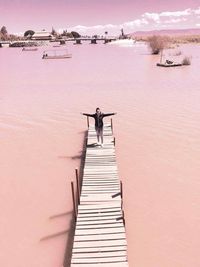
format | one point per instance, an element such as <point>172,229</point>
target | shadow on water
<point>70,232</point>
<point>54,235</point>
<point>76,157</point>
<point>60,215</point>
<point>70,239</point>
<point>69,244</point>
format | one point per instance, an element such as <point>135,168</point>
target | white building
<point>41,36</point>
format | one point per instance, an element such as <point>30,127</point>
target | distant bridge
<point>92,40</point>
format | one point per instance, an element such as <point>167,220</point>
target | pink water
<point>157,133</point>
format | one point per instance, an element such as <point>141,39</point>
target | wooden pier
<point>100,238</point>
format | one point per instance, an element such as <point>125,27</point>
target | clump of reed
<point>178,53</point>
<point>157,43</point>
<point>186,61</point>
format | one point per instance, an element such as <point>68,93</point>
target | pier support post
<point>88,122</point>
<point>93,41</point>
<point>77,186</point>
<point>106,41</point>
<point>73,199</point>
<point>78,41</point>
<point>111,123</point>
<point>121,193</point>
<point>121,189</point>
<point>86,142</point>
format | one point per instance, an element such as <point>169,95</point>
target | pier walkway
<point>100,239</point>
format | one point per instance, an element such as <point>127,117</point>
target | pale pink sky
<point>96,16</point>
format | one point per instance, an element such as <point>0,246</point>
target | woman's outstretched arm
<point>109,114</point>
<point>89,115</point>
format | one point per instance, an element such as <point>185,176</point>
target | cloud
<point>197,11</point>
<point>175,20</point>
<point>151,16</point>
<point>135,23</point>
<point>147,21</point>
<point>96,29</point>
<point>185,12</point>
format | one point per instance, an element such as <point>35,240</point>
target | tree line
<point>5,36</point>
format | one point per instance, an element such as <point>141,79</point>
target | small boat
<point>56,54</point>
<point>122,42</point>
<point>169,65</point>
<point>29,49</point>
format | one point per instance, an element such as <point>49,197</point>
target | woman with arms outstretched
<point>98,116</point>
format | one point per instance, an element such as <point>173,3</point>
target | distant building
<point>42,36</point>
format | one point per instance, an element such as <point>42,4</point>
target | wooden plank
<point>105,197</point>
<point>100,207</point>
<point>121,264</point>
<point>100,243</point>
<point>100,260</point>
<point>101,254</point>
<point>99,237</point>
<point>99,249</point>
<point>101,231</point>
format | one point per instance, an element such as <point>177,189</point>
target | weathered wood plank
<point>99,249</point>
<point>121,264</point>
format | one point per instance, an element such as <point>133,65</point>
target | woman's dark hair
<point>97,109</point>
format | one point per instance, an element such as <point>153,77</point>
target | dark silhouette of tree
<point>4,30</point>
<point>75,34</point>
<point>53,32</point>
<point>64,33</point>
<point>4,36</point>
<point>29,33</point>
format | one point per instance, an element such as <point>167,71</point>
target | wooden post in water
<point>86,142</point>
<point>121,189</point>
<point>124,222</point>
<point>77,186</point>
<point>114,141</point>
<point>161,56</point>
<point>88,122</point>
<point>121,193</point>
<point>111,123</point>
<point>73,199</point>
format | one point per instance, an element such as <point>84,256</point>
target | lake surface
<point>157,134</point>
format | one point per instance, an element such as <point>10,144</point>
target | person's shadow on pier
<point>92,145</point>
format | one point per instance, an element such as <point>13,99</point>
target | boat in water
<point>167,63</point>
<point>29,49</point>
<point>123,42</point>
<point>56,54</point>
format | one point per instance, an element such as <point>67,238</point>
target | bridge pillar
<point>78,42</point>
<point>93,41</point>
<point>62,42</point>
<point>107,41</point>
